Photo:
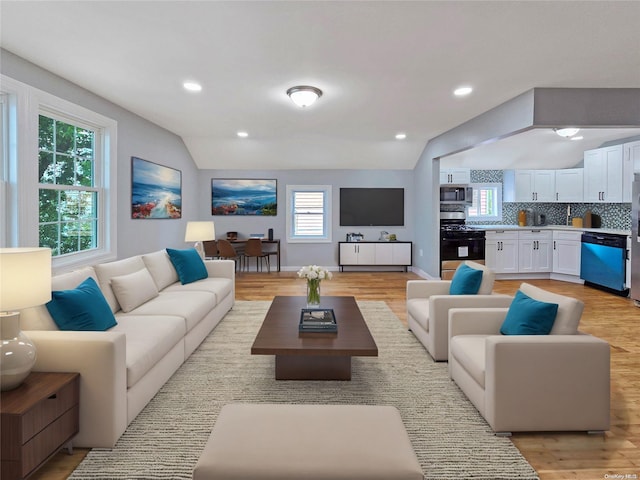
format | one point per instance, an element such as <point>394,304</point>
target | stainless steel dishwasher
<point>603,262</point>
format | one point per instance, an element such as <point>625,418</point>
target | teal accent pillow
<point>527,316</point>
<point>83,308</point>
<point>188,264</point>
<point>466,281</point>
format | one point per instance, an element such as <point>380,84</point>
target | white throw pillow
<point>134,289</point>
<point>161,269</point>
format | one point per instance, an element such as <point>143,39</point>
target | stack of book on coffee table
<point>317,320</point>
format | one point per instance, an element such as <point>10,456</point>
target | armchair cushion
<point>527,316</point>
<point>569,309</point>
<point>466,281</point>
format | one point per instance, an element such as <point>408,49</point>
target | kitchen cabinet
<point>630,165</point>
<point>566,252</point>
<point>530,185</point>
<point>455,176</point>
<point>570,185</point>
<point>534,251</point>
<point>603,173</point>
<point>375,253</point>
<point>501,251</point>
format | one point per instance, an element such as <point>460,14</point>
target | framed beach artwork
<point>231,196</point>
<point>156,190</point>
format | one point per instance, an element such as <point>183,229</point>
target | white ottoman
<point>310,442</point>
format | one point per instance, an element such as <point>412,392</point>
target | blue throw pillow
<point>527,316</point>
<point>188,264</point>
<point>83,308</point>
<point>466,281</point>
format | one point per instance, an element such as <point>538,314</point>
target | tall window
<point>68,189</point>
<point>487,202</point>
<point>308,213</point>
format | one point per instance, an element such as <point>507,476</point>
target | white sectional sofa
<point>121,369</point>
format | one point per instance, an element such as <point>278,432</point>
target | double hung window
<point>308,213</point>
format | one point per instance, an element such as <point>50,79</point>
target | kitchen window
<point>487,202</point>
<point>308,213</point>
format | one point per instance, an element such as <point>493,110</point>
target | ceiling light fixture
<point>579,137</point>
<point>304,95</point>
<point>401,136</point>
<point>462,91</point>
<point>192,86</point>
<point>566,132</point>
<point>242,134</point>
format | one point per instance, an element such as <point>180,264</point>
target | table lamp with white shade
<point>25,281</point>
<point>200,232</point>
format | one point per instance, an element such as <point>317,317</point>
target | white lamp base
<point>17,352</point>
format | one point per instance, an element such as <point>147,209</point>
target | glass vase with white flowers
<point>314,275</point>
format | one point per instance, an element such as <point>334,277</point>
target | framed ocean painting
<point>156,190</point>
<point>244,196</point>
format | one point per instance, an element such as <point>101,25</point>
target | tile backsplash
<point>613,215</point>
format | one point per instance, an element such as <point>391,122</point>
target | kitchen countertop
<point>611,231</point>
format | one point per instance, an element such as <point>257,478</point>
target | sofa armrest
<point>100,359</point>
<point>426,288</point>
<point>547,382</point>
<point>476,321</point>
<point>221,268</point>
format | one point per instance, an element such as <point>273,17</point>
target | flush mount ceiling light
<point>566,132</point>
<point>304,95</point>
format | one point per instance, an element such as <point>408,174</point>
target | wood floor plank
<point>556,456</point>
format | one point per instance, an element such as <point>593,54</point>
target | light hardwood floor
<point>554,455</point>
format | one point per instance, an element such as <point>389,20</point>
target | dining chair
<point>210,249</point>
<point>227,252</point>
<point>253,249</point>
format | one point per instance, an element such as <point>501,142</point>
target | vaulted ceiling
<point>385,67</point>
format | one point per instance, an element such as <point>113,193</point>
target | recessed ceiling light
<point>401,136</point>
<point>579,137</point>
<point>462,91</point>
<point>243,134</point>
<point>192,86</point>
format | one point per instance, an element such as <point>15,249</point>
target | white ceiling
<point>385,67</point>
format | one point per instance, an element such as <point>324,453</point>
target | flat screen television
<point>379,207</point>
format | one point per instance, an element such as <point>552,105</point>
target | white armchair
<point>428,304</point>
<point>555,382</point>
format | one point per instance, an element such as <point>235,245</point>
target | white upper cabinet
<point>603,170</point>
<point>530,185</point>
<point>631,165</point>
<point>569,185</point>
<point>455,176</point>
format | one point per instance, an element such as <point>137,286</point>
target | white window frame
<point>327,192</point>
<point>23,183</point>
<point>485,186</point>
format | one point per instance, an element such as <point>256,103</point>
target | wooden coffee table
<point>313,356</point>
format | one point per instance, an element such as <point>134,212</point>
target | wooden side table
<point>38,418</point>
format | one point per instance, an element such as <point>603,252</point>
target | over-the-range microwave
<point>456,194</point>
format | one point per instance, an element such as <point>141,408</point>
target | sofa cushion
<point>106,271</point>
<point>527,316</point>
<point>470,352</point>
<point>149,339</point>
<point>134,289</point>
<point>569,309</point>
<point>221,287</point>
<point>188,264</point>
<point>465,281</point>
<point>192,306</point>
<point>418,308</point>
<point>83,308</point>
<point>161,269</point>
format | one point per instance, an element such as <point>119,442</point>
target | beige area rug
<point>450,438</point>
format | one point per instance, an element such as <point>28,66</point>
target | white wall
<point>295,255</point>
<point>136,137</point>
